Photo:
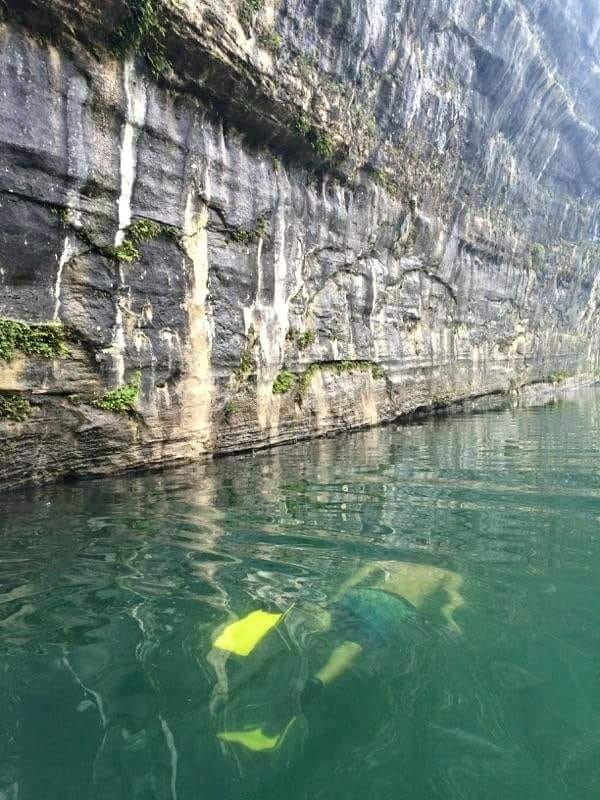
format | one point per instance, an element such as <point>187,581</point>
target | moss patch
<point>538,254</point>
<point>121,400</point>
<point>247,359</point>
<point>557,377</point>
<point>242,236</point>
<point>271,41</point>
<point>305,380</point>
<point>247,10</point>
<point>340,367</point>
<point>305,339</point>
<point>230,408</point>
<point>14,407</point>
<point>143,230</point>
<point>283,382</point>
<point>126,252</point>
<point>143,33</point>
<point>46,340</point>
<point>321,143</point>
<point>386,181</point>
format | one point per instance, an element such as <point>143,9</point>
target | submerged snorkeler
<point>369,609</point>
<point>374,612</point>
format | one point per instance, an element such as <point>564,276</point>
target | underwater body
<point>406,611</point>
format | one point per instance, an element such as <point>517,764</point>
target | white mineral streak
<point>135,96</point>
<point>67,253</point>
<point>77,165</point>
<point>376,318</point>
<point>270,321</point>
<point>199,381</point>
<point>550,157</point>
<point>136,102</point>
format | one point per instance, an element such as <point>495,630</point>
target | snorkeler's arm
<point>354,580</point>
<point>452,586</point>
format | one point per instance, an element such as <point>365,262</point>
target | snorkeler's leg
<point>340,660</point>
<point>452,585</point>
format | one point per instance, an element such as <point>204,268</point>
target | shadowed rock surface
<point>319,215</point>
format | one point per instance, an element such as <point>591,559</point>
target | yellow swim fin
<point>255,739</point>
<point>242,636</point>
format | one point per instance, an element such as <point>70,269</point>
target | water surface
<point>112,593</point>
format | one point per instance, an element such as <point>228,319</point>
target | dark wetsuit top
<point>371,616</point>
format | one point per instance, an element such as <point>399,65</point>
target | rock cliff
<point>226,225</point>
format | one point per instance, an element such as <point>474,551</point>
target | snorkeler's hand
<point>312,690</point>
<point>454,629</point>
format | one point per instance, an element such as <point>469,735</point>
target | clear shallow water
<point>111,593</point>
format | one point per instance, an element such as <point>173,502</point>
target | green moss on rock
<point>323,146</point>
<point>321,143</point>
<point>143,33</point>
<point>230,408</point>
<point>283,382</point>
<point>242,236</point>
<point>340,367</point>
<point>558,376</point>
<point>247,359</point>
<point>538,254</point>
<point>47,340</point>
<point>271,41</point>
<point>247,9</point>
<point>14,407</point>
<point>127,252</point>
<point>121,400</point>
<point>305,339</point>
<point>143,230</point>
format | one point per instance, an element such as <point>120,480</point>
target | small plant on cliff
<point>246,12</point>
<point>121,400</point>
<point>303,125</point>
<point>341,367</point>
<point>46,340</point>
<point>538,253</point>
<point>14,407</point>
<point>144,33</point>
<point>247,359</point>
<point>143,230</point>
<point>247,364</point>
<point>323,145</point>
<point>230,408</point>
<point>271,41</point>
<point>242,236</point>
<point>305,380</point>
<point>557,377</point>
<point>306,339</point>
<point>283,382</point>
<point>386,181</point>
<point>126,252</point>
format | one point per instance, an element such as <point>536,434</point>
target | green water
<point>112,592</point>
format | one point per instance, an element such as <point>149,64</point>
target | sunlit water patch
<point>407,612</point>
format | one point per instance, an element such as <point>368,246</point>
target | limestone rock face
<point>318,215</point>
